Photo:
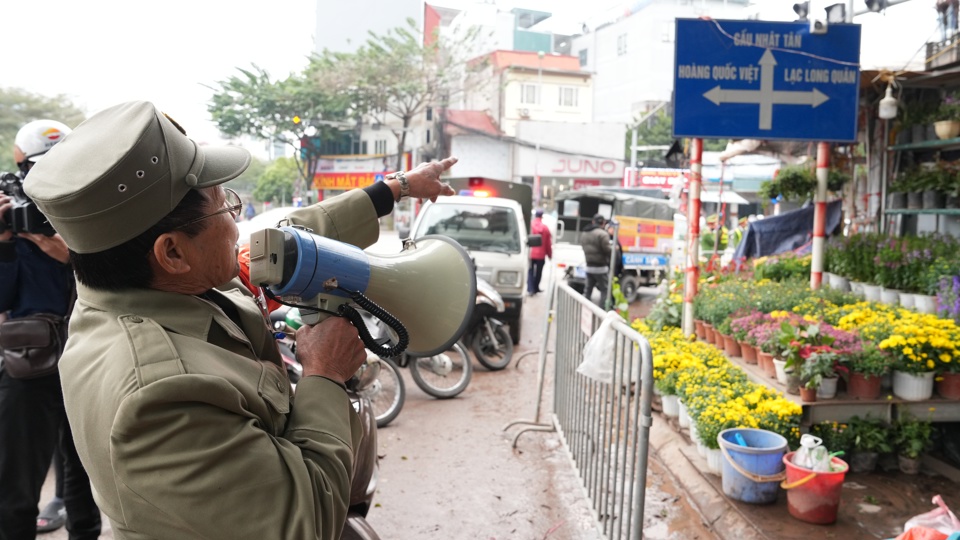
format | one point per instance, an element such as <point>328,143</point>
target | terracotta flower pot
<point>860,387</point>
<point>749,352</point>
<point>708,332</point>
<point>808,395</point>
<point>730,346</point>
<point>699,329</point>
<point>948,385</point>
<point>765,359</point>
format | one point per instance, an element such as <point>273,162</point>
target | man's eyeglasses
<point>231,203</point>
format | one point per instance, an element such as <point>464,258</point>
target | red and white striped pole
<point>820,215</point>
<point>693,234</point>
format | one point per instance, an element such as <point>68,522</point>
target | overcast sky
<point>102,52</point>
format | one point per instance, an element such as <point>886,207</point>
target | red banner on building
<point>654,178</point>
<point>581,183</point>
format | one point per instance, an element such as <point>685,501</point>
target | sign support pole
<point>693,234</point>
<point>820,215</point>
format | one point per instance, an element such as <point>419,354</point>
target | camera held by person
<point>24,216</point>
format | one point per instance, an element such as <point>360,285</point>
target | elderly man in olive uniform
<point>180,407</point>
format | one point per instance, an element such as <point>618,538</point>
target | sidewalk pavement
<point>874,505</point>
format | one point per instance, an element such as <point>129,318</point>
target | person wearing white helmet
<point>37,294</point>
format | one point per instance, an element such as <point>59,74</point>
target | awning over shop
<point>728,197</point>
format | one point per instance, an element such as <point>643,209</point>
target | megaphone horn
<point>430,286</point>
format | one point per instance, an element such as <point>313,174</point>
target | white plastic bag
<point>598,352</point>
<point>940,519</point>
<point>812,454</point>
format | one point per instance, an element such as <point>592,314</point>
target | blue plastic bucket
<point>752,473</point>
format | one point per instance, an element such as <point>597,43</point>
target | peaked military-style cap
<point>120,172</point>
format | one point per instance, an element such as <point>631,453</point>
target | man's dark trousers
<point>534,275</point>
<point>32,418</point>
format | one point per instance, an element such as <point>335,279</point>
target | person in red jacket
<point>538,254</point>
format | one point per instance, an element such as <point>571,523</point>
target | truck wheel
<point>515,330</point>
<point>628,287</point>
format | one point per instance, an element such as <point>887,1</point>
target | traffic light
<point>876,5</point>
<point>802,9</point>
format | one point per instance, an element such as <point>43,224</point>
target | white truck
<point>495,233</point>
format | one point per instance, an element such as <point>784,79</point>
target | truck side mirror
<point>534,240</point>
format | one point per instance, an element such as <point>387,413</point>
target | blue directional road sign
<point>766,80</point>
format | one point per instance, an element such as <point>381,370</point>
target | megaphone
<point>430,286</point>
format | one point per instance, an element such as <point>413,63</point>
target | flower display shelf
<point>936,144</point>
<point>943,211</point>
<point>840,409</point>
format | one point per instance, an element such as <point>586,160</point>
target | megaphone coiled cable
<point>403,338</point>
<point>351,314</point>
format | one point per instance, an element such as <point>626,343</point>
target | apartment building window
<point>528,94</point>
<point>380,146</point>
<point>568,96</point>
<point>621,44</point>
<point>429,114</point>
<point>428,136</point>
<point>583,57</point>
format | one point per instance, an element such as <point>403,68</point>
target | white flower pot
<point>890,297</point>
<point>871,293</point>
<point>683,417</point>
<point>856,288</point>
<point>714,461</point>
<point>839,283</point>
<point>702,449</point>
<point>907,300</point>
<point>670,405</point>
<point>827,388</point>
<point>912,387</point>
<point>827,280</point>
<point>778,365</point>
<point>925,303</point>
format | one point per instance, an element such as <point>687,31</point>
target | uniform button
<point>279,386</point>
<point>136,319</point>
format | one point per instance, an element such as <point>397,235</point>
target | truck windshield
<point>476,227</point>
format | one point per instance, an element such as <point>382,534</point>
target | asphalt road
<point>449,471</point>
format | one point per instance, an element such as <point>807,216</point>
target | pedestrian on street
<point>174,386</point>
<point>37,292</point>
<point>596,245</point>
<point>539,253</point>
<point>250,211</point>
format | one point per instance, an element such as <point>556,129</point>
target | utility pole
<point>536,162</point>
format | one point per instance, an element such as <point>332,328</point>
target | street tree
<point>247,181</point>
<point>399,75</point>
<point>296,111</point>
<point>277,182</point>
<point>18,107</point>
<point>657,130</point>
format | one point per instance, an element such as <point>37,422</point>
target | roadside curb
<point>680,459</point>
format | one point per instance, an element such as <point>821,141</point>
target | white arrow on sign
<point>766,97</point>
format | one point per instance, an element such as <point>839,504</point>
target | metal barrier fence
<point>605,427</point>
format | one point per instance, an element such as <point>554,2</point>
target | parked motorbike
<point>365,464</point>
<point>488,337</point>
<point>442,376</point>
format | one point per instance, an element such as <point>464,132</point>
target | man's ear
<point>169,252</point>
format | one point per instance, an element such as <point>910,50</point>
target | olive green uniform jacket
<point>186,422</point>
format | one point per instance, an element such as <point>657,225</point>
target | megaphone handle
<point>368,341</point>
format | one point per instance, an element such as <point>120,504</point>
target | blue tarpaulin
<point>786,232</point>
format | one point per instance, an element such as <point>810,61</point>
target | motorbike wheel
<point>628,287</point>
<point>493,355</point>
<point>445,375</point>
<point>387,393</point>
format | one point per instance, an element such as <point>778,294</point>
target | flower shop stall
<point>827,356</point>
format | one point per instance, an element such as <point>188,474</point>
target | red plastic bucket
<point>813,496</point>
